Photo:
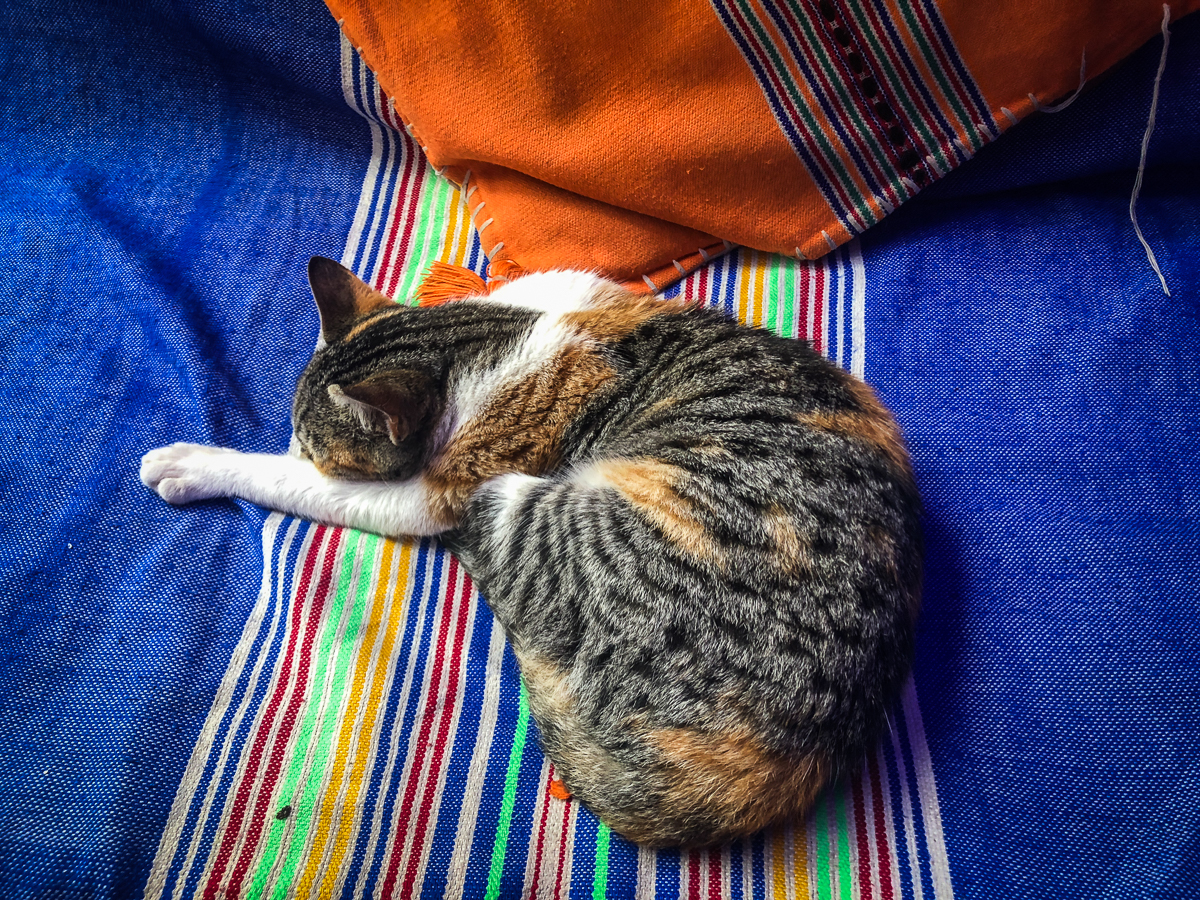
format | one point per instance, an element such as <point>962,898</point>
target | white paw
<point>182,473</point>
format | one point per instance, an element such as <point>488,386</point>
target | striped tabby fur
<point>702,540</point>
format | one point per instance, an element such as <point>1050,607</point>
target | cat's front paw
<point>183,473</point>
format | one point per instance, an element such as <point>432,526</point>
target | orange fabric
<point>636,138</point>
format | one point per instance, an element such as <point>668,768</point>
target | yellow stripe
<point>374,695</point>
<point>760,291</point>
<point>779,881</point>
<point>743,277</point>
<point>465,232</point>
<point>800,862</point>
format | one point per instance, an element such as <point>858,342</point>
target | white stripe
<point>826,296</point>
<point>889,827</point>
<point>369,180</point>
<point>202,751</point>
<point>381,202</point>
<point>747,870</point>
<point>906,801</point>
<point>534,865</point>
<point>841,310</point>
<point>647,874</point>
<point>931,813</point>
<point>477,770</point>
<point>858,349</point>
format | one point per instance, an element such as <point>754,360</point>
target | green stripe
<point>277,829</point>
<point>821,820</point>
<point>322,755</point>
<point>845,873</point>
<point>864,131</point>
<point>814,129</point>
<point>894,78</point>
<point>509,798</point>
<point>600,883</point>
<point>931,60</point>
<point>419,257</point>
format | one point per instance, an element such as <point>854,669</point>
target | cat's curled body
<point>701,539</point>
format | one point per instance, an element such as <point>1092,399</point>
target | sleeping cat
<point>701,539</point>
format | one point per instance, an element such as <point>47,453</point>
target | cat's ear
<point>342,297</point>
<point>399,400</point>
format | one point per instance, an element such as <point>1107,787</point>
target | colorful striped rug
<point>370,737</point>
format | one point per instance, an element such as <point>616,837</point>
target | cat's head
<point>360,412</point>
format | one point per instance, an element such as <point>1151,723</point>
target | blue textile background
<point>167,171</point>
<point>1050,394</point>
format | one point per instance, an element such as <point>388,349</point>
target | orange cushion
<point>639,138</point>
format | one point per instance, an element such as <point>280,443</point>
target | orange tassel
<point>558,790</point>
<point>445,282</point>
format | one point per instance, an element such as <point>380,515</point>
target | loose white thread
<point>1079,90</point>
<point>1137,184</point>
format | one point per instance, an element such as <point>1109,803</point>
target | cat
<point>702,540</point>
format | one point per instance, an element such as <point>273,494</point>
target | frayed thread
<point>1137,184</point>
<point>1059,107</point>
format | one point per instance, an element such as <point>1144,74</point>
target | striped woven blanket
<point>217,702</point>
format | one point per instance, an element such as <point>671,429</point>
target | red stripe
<point>897,55</point>
<point>881,841</point>
<point>848,77</point>
<point>864,845</point>
<point>768,67</point>
<point>693,869</point>
<point>537,856</point>
<point>246,785</point>
<point>702,288</point>
<point>408,190</point>
<point>802,301</point>
<point>562,847</point>
<point>714,874</point>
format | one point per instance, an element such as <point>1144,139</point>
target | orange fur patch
<point>731,778</point>
<point>870,424</point>
<point>650,486</point>
<point>521,429</point>
<point>616,313</point>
